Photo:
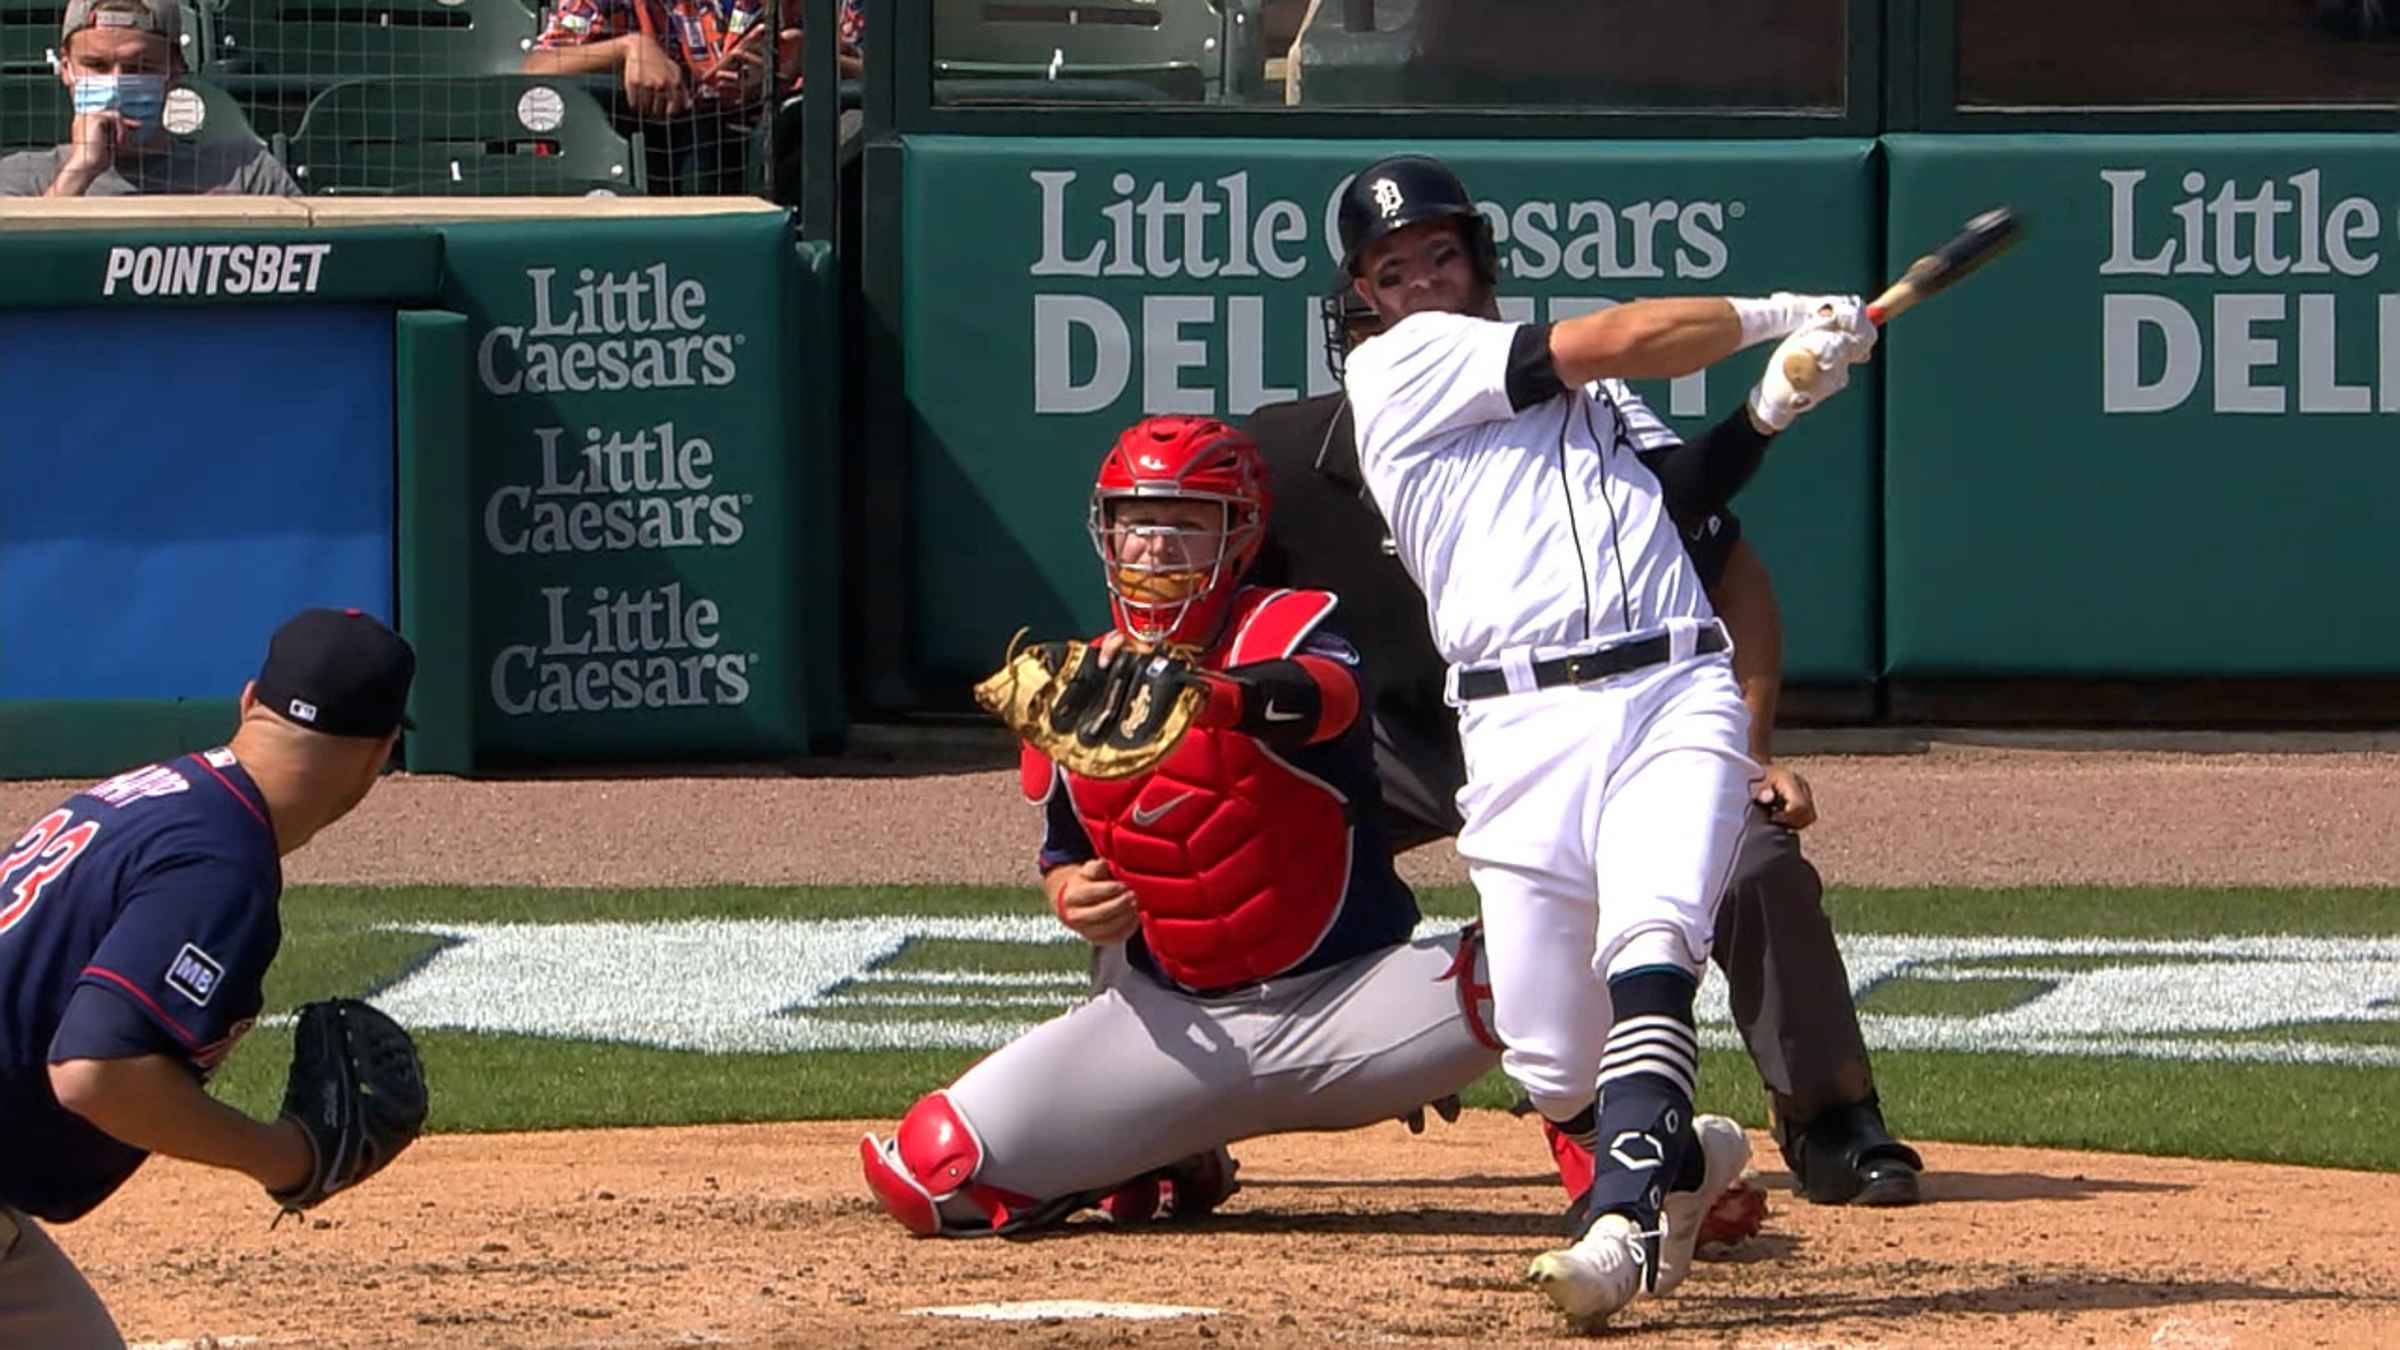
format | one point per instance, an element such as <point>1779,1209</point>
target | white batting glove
<point>1777,401</point>
<point>1785,313</point>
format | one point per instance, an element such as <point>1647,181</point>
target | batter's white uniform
<point>1602,817</point>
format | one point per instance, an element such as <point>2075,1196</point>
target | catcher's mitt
<point>1101,722</point>
<point>357,1089</point>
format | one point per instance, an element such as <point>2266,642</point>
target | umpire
<point>136,923</point>
<point>1791,993</point>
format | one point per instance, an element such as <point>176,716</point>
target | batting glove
<point>1785,313</point>
<point>1831,349</point>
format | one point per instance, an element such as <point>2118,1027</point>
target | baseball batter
<point>1256,970</point>
<point>1791,996</point>
<point>1604,735</point>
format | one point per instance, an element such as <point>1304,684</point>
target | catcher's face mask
<point>1177,515</point>
<point>1162,557</point>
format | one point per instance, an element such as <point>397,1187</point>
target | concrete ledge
<point>161,212</point>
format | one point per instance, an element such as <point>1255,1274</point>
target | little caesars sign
<point>1244,253</point>
<point>2265,285</point>
<point>583,500</point>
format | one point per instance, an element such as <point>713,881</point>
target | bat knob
<point>1800,371</point>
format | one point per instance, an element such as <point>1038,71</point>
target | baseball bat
<point>1982,239</point>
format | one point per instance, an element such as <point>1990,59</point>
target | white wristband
<point>1770,320</point>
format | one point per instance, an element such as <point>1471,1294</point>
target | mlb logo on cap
<point>338,671</point>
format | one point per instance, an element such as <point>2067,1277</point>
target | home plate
<point>1035,1310</point>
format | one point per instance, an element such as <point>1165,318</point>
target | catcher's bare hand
<point>1099,908</point>
<point>1786,796</point>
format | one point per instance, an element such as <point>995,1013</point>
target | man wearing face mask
<point>120,57</point>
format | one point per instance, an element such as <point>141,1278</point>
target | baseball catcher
<point>1255,971</point>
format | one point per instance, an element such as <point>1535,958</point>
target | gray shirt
<point>180,166</point>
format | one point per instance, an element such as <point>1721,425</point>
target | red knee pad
<point>933,1156</point>
<point>1574,1165</point>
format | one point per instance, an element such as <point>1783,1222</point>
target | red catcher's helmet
<point>1180,591</point>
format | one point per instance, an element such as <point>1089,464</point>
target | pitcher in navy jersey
<point>137,921</point>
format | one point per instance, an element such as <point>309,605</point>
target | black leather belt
<point>1583,667</point>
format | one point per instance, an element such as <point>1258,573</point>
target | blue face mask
<point>138,98</point>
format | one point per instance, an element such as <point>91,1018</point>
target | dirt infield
<point>761,1235</point>
<point>758,1235</point>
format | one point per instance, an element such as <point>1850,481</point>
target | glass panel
<point>2150,53</point>
<point>1633,55</point>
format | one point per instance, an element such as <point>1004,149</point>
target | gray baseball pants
<point>1142,1076</point>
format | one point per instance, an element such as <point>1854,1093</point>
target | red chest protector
<point>1240,860</point>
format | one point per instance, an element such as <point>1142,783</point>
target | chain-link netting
<point>399,97</point>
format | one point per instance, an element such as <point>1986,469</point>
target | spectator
<point>698,64</point>
<point>120,58</point>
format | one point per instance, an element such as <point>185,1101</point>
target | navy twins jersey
<point>136,919</point>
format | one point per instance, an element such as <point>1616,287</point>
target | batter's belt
<point>1583,667</point>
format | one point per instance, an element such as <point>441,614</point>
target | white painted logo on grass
<point>1036,1310</point>
<point>789,985</point>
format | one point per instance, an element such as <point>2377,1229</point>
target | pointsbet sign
<point>2274,306</point>
<point>181,270</point>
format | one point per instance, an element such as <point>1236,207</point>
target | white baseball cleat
<point>1601,1273</point>
<point>1727,1150</point>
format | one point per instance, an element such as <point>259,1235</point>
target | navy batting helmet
<point>1394,193</point>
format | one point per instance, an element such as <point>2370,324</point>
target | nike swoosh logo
<point>1153,814</point>
<point>1275,714</point>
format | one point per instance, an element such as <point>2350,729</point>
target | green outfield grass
<point>2289,1112</point>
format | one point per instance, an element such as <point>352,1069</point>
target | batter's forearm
<point>1645,340</point>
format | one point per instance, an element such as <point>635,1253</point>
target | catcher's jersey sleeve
<point>1430,374</point>
<point>1063,837</point>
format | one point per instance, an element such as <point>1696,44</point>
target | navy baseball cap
<point>339,671</point>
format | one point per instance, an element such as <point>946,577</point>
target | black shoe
<point>1847,1156</point>
<point>1889,1180</point>
<point>1197,1185</point>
